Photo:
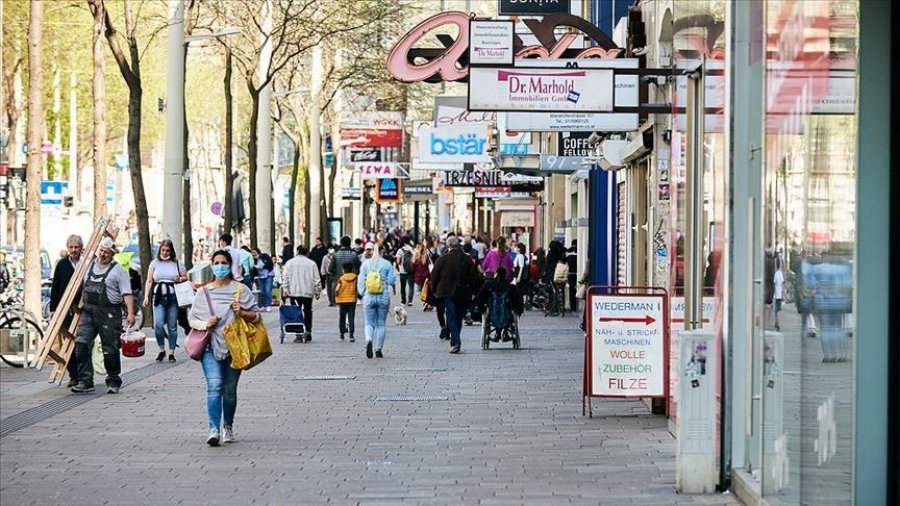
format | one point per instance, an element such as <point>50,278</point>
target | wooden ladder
<point>59,341</point>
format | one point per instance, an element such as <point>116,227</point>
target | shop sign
<point>627,345</point>
<point>491,42</point>
<point>387,120</point>
<point>418,165</point>
<point>492,192</point>
<point>533,7</point>
<point>351,193</point>
<point>573,144</point>
<point>471,178</point>
<point>626,95</point>
<point>458,143</point>
<point>454,111</point>
<point>364,155</point>
<point>419,187</point>
<point>516,219</point>
<point>450,63</point>
<point>562,164</point>
<point>540,89</point>
<point>514,178</point>
<point>388,190</point>
<point>378,170</point>
<point>372,129</point>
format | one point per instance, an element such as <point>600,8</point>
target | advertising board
<point>627,345</point>
<point>388,190</point>
<point>491,41</point>
<point>377,170</point>
<point>626,95</point>
<point>540,89</point>
<point>372,129</point>
<point>455,143</point>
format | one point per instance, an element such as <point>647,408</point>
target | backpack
<point>407,261</point>
<point>560,275</point>
<point>499,312</point>
<point>374,283</point>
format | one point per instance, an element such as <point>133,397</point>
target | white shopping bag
<point>97,358</point>
<point>184,293</point>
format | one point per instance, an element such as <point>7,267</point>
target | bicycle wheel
<point>33,332</point>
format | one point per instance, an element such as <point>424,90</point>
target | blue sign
<point>52,192</point>
<point>110,191</point>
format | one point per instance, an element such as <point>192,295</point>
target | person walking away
<point>302,283</point>
<point>164,271</point>
<point>344,255</point>
<point>572,276</point>
<point>229,300</point>
<point>106,288</point>
<point>317,254</point>
<point>345,295</point>
<point>779,295</point>
<point>404,261</point>
<point>62,274</point>
<point>248,266</point>
<point>265,276</point>
<point>329,278</point>
<point>287,249</point>
<point>375,276</point>
<point>237,271</point>
<point>498,257</point>
<point>421,266</point>
<point>454,280</point>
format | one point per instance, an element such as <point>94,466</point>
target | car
<point>15,254</point>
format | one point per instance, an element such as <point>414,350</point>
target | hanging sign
<point>491,41</point>
<point>627,345</point>
<point>378,170</point>
<point>364,155</point>
<point>534,8</point>
<point>540,89</point>
<point>388,190</point>
<point>456,143</point>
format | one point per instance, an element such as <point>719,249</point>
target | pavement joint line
<point>55,407</point>
<point>410,398</point>
<point>324,378</point>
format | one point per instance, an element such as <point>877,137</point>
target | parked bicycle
<point>20,330</point>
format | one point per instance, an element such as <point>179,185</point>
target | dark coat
<point>455,275</point>
<point>317,254</point>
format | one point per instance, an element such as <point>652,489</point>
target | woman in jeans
<point>375,305</point>
<point>229,300</point>
<point>162,274</point>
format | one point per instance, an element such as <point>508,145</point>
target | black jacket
<point>287,253</point>
<point>455,275</point>
<point>317,254</point>
<point>62,274</point>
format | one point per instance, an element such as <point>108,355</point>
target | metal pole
<point>693,274</point>
<point>264,138</point>
<point>174,168</point>
<point>416,222</point>
<point>315,145</point>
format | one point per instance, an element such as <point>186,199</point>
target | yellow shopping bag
<point>248,343</point>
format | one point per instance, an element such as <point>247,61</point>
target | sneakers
<point>213,439</point>
<point>342,336</point>
<point>227,435</point>
<point>369,349</point>
<point>352,339</point>
<point>445,333</point>
<point>409,304</point>
<point>83,388</point>
<point>172,358</point>
<point>454,349</point>
<point>112,389</point>
<point>378,354</point>
<point>160,356</point>
<point>72,382</point>
<point>467,321</point>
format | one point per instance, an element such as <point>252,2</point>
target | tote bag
<point>198,340</point>
<point>184,293</point>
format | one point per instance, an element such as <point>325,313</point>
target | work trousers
<point>107,322</point>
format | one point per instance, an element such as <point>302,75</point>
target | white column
<point>264,140</point>
<point>73,136</point>
<point>315,146</point>
<point>57,123</point>
<point>174,168</point>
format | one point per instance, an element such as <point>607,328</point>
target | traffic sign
<point>627,344</point>
<point>216,208</point>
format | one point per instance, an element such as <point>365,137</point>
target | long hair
<point>421,254</point>
<point>167,243</point>
<point>501,245</point>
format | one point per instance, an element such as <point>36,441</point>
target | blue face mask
<point>220,271</point>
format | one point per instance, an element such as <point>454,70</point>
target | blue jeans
<point>221,389</point>
<point>165,317</point>
<point>265,291</point>
<point>455,310</point>
<point>376,307</point>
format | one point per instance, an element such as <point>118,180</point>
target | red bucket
<point>133,344</point>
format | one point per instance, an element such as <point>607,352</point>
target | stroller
<point>290,319</point>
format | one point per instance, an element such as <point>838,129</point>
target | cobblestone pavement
<point>318,423</point>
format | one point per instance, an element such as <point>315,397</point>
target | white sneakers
<point>214,439</point>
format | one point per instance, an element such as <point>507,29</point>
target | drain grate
<point>411,398</point>
<point>324,378</point>
<point>52,408</point>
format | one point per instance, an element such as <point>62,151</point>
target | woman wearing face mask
<point>221,379</point>
<point>162,274</point>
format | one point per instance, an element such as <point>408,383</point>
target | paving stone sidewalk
<point>318,423</point>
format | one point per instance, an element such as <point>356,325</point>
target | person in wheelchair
<point>502,299</point>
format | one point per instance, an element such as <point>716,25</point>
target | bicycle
<point>20,332</point>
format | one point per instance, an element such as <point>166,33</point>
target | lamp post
<point>175,155</point>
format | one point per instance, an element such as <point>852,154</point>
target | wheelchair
<point>508,333</point>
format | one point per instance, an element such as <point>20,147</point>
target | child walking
<point>345,296</point>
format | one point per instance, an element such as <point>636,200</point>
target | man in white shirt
<point>301,281</point>
<point>779,295</point>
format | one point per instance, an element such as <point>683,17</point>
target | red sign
<point>378,170</point>
<point>371,138</point>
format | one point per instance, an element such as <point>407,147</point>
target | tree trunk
<point>134,161</point>
<point>251,154</point>
<point>33,179</point>
<point>187,229</point>
<point>307,205</point>
<point>99,11</point>
<point>295,175</point>
<point>229,134</point>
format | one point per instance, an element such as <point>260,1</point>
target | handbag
<point>198,340</point>
<point>248,343</point>
<point>425,286</point>
<point>184,293</point>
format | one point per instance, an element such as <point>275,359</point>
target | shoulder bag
<point>198,340</point>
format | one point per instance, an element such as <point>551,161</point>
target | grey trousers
<point>107,322</point>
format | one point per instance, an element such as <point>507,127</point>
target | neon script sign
<point>452,62</point>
